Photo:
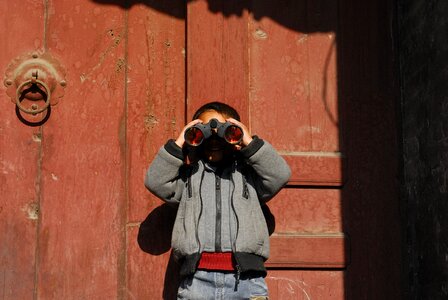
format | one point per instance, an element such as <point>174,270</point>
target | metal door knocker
<point>34,83</point>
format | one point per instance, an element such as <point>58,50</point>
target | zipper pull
<point>245,189</point>
<point>218,183</point>
<point>190,193</point>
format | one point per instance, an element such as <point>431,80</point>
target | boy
<point>220,236</point>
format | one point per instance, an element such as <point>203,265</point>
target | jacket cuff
<point>253,147</point>
<point>172,148</point>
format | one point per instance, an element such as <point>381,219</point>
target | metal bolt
<point>63,83</point>
<point>35,55</point>
<point>34,107</point>
<point>8,81</point>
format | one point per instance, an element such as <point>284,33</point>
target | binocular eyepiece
<point>196,134</point>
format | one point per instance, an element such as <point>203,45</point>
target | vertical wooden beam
<point>82,234</point>
<point>20,148</point>
<point>156,113</point>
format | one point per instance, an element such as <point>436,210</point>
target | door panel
<point>289,81</point>
<point>81,237</point>
<point>20,159</point>
<point>155,95</point>
<point>293,104</point>
<point>155,113</point>
<point>307,211</point>
<point>78,222</point>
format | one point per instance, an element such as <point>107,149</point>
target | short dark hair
<point>219,107</point>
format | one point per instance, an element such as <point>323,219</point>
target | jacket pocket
<point>179,229</point>
<point>251,231</point>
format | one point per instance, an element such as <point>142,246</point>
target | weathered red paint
<point>308,251</point>
<point>306,284</point>
<point>82,233</point>
<point>156,112</point>
<point>135,76</point>
<point>217,58</point>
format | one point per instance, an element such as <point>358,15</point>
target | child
<point>220,236</point>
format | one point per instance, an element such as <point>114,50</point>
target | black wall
<point>423,54</point>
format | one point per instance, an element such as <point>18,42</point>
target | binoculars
<point>196,134</point>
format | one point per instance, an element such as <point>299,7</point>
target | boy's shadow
<point>154,237</point>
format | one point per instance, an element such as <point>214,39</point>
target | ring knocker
<point>34,82</point>
<point>34,108</point>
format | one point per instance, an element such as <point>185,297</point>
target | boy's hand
<point>181,139</point>
<point>247,137</point>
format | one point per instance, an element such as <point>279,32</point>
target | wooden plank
<point>308,251</point>
<point>294,105</point>
<point>156,96</point>
<point>307,210</point>
<point>279,80</point>
<point>156,112</point>
<point>82,237</point>
<point>322,70</point>
<point>305,284</point>
<point>217,57</point>
<point>293,98</point>
<point>20,154</point>
<point>318,169</point>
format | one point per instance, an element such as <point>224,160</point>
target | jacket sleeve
<point>163,177</point>
<point>271,170</point>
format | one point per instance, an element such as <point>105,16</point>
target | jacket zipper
<point>237,264</point>
<point>218,213</point>
<point>198,240</point>
<point>189,188</point>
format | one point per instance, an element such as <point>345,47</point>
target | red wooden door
<point>75,219</point>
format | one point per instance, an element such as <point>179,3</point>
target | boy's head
<point>216,149</point>
<point>219,107</point>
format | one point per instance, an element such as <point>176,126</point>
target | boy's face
<point>215,148</point>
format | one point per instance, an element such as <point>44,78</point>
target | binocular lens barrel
<point>233,134</point>
<point>194,136</point>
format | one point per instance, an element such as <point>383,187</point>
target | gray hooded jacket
<point>219,209</point>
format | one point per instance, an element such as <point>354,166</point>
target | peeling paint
<point>120,65</point>
<point>293,286</point>
<point>116,39</point>
<point>7,167</point>
<point>302,39</point>
<point>32,210</point>
<point>37,137</point>
<point>259,34</point>
<point>150,121</point>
